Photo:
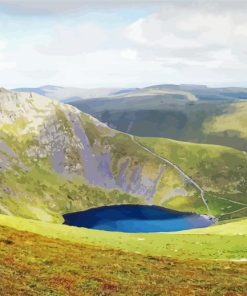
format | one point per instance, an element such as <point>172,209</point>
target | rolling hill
<point>188,113</point>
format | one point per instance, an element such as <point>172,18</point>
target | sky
<point>130,43</point>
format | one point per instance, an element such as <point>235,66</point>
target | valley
<point>56,160</point>
<point>123,148</point>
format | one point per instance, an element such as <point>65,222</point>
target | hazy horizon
<point>219,85</point>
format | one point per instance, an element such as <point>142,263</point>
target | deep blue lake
<point>136,218</point>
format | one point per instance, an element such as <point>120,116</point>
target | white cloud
<point>2,44</point>
<point>71,40</point>
<point>4,62</point>
<point>42,7</point>
<point>33,7</point>
<point>200,33</point>
<point>129,54</point>
<point>6,65</point>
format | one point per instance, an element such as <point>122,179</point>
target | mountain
<point>42,90</point>
<point>56,159</point>
<point>182,112</point>
<point>68,94</point>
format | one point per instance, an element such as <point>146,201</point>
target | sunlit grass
<point>226,241</point>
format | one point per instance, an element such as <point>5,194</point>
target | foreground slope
<point>227,241</point>
<point>55,159</point>
<point>52,269</point>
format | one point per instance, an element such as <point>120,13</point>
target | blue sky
<point>122,43</point>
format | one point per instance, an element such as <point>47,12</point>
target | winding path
<point>175,167</point>
<point>233,201</point>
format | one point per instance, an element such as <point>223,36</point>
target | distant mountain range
<point>68,94</point>
<point>201,92</point>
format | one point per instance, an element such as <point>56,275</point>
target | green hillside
<point>233,122</point>
<point>220,171</point>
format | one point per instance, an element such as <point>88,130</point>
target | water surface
<point>136,218</point>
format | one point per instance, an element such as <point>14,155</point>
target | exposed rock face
<point>4,162</point>
<point>4,148</point>
<point>92,173</point>
<point>98,167</point>
<point>36,132</point>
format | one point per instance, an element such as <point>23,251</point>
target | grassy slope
<point>227,241</point>
<point>233,121</point>
<point>220,171</point>
<point>52,269</point>
<point>44,195</point>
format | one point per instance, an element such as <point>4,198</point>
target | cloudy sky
<point>122,43</point>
